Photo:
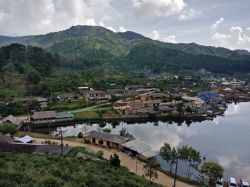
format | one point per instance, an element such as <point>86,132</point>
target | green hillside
<point>89,47</point>
<point>52,170</point>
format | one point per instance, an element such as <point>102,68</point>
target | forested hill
<point>30,60</point>
<point>87,47</point>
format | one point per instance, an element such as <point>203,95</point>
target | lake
<point>225,139</point>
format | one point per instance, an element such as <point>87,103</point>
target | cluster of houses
<point>161,104</point>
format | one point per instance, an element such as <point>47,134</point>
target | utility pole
<point>61,136</point>
<point>176,168</point>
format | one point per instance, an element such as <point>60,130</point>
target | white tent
<point>25,139</point>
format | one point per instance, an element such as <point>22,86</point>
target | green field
<point>67,105</point>
<point>54,170</point>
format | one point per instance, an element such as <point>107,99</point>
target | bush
<point>8,128</point>
<point>80,135</point>
<point>107,130</point>
<point>114,160</point>
<point>99,154</point>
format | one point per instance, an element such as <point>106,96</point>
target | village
<point>189,99</point>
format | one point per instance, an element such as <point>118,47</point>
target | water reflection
<point>225,138</point>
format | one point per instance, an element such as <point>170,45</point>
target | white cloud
<point>227,162</point>
<point>191,13</point>
<point>25,17</point>
<point>159,7</point>
<point>122,29</point>
<point>154,35</point>
<point>216,25</point>
<point>111,28</point>
<point>170,39</point>
<point>236,38</point>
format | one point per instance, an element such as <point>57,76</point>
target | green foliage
<point>212,170</point>
<point>191,156</point>
<point>90,48</point>
<point>55,170</point>
<point>8,128</point>
<point>14,108</point>
<point>123,132</point>
<point>114,160</point>
<point>80,135</point>
<point>150,168</point>
<point>169,154</point>
<point>107,130</point>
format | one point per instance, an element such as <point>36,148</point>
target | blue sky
<point>223,23</point>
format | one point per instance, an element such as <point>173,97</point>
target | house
<point>152,103</point>
<point>153,96</point>
<point>193,101</point>
<point>208,95</point>
<point>97,96</point>
<point>67,97</point>
<point>84,89</point>
<point>118,93</point>
<point>136,104</point>
<point>64,116</point>
<point>137,147</point>
<point>43,116</point>
<point>13,120</point>
<point>106,139</point>
<point>43,102</point>
<point>165,110</point>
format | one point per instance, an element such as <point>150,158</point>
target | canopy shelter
<point>26,139</point>
<point>139,147</point>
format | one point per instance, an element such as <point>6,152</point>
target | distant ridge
<point>87,46</point>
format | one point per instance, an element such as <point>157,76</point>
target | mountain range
<point>87,47</point>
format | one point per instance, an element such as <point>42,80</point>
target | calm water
<point>226,139</point>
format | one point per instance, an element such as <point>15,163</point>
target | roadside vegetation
<point>54,170</point>
<point>208,171</point>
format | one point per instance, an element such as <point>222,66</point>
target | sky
<point>224,23</point>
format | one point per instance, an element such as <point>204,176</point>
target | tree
<point>189,110</point>
<point>114,160</point>
<point>180,108</point>
<point>107,130</point>
<point>168,154</point>
<point>212,170</point>
<point>80,135</point>
<point>191,157</point>
<point>8,128</point>
<point>150,168</point>
<point>123,132</point>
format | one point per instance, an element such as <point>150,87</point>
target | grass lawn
<point>87,114</point>
<point>110,113</point>
<point>66,171</point>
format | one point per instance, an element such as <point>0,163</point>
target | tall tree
<point>212,170</point>
<point>168,154</point>
<point>191,157</point>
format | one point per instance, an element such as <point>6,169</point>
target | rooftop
<point>107,137</point>
<point>44,115</point>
